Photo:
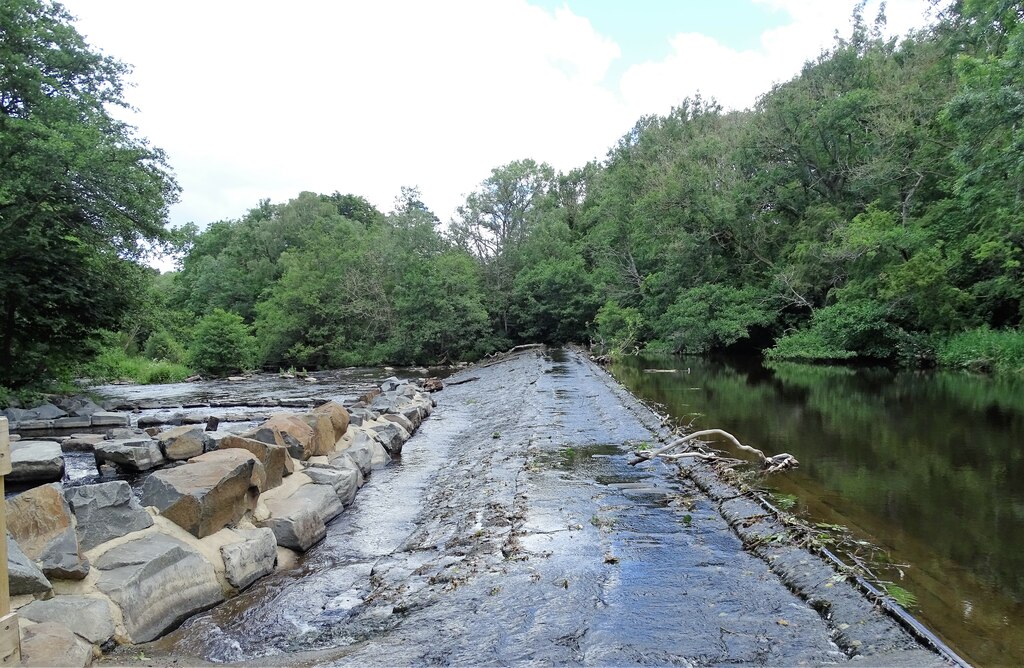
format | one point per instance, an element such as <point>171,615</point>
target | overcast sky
<point>255,99</point>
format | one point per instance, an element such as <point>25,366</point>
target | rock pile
<point>94,564</point>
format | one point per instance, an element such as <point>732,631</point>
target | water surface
<point>928,466</point>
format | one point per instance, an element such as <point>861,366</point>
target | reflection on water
<point>927,465</point>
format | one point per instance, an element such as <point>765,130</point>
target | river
<point>928,466</point>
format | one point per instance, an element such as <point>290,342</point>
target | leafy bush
<point>222,344</point>
<point>855,328</point>
<point>808,345</point>
<point>618,328</point>
<point>161,345</point>
<point>983,349</point>
<point>710,316</point>
<point>114,363</point>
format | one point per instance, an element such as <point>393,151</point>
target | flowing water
<point>928,466</point>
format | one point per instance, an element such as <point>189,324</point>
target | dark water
<point>928,466</point>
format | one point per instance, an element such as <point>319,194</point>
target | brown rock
<point>53,644</point>
<point>338,415</point>
<point>288,430</point>
<point>182,442</point>
<point>323,432</point>
<point>40,521</point>
<point>273,457</point>
<point>209,492</point>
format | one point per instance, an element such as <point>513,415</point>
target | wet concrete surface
<point>513,531</point>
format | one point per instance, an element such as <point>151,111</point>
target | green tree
<point>222,343</point>
<point>80,193</point>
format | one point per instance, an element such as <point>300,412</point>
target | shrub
<point>161,345</point>
<point>983,349</point>
<point>222,344</point>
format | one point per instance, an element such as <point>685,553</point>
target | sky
<point>255,99</point>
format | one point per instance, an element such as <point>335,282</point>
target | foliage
<point>983,349</point>
<point>112,363</point>
<point>222,344</point>
<point>81,194</point>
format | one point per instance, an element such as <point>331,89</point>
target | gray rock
<point>158,582</point>
<point>53,644</point>
<point>252,558</point>
<point>23,575</point>
<point>343,462</point>
<point>87,616</point>
<point>322,499</point>
<point>109,419</point>
<point>36,461</point>
<point>106,511</point>
<point>35,425</point>
<point>80,442</point>
<point>80,406</point>
<point>274,458</point>
<point>130,455</point>
<point>391,384</point>
<point>17,415</point>
<point>208,493</point>
<point>344,482</point>
<point>182,442</point>
<point>403,421</point>
<point>122,433</point>
<point>48,412</point>
<point>77,422</point>
<point>295,526</point>
<point>391,436</point>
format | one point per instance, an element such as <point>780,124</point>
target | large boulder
<point>251,558</point>
<point>158,582</point>
<point>391,436</point>
<point>40,521</point>
<point>81,442</point>
<point>343,462</point>
<point>88,616</point>
<point>402,421</point>
<point>275,458</point>
<point>53,644</point>
<point>323,433</point>
<point>322,499</point>
<point>182,442</point>
<point>48,412</point>
<point>295,526</point>
<point>80,406</point>
<point>288,430</point>
<point>344,482</point>
<point>208,493</point>
<point>36,461</point>
<point>106,511</point>
<point>130,455</point>
<point>24,577</point>
<point>338,415</point>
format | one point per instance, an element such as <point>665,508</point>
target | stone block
<point>323,433</point>
<point>130,455</point>
<point>53,644</point>
<point>182,442</point>
<point>274,458</point>
<point>251,558</point>
<point>87,616</point>
<point>40,521</point>
<point>24,577</point>
<point>295,526</point>
<point>36,461</point>
<point>338,415</point>
<point>106,511</point>
<point>109,419</point>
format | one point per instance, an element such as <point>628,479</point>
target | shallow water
<point>928,466</point>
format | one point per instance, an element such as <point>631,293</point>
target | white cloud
<point>265,99</point>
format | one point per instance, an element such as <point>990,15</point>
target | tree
<point>81,194</point>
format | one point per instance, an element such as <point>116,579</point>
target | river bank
<point>514,530</point>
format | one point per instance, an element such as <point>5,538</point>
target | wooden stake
<point>10,638</point>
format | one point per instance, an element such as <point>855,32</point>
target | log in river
<point>512,530</point>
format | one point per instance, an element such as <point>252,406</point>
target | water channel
<point>928,466</point>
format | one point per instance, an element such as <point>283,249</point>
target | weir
<point>513,529</point>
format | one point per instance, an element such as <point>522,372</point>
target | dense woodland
<point>871,208</point>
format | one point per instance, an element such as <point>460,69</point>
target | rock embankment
<point>97,565</point>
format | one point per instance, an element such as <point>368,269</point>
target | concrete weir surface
<point>513,531</point>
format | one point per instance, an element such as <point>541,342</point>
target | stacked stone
<point>91,565</point>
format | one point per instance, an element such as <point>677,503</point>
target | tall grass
<point>113,364</point>
<point>983,349</point>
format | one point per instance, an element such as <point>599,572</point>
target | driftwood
<point>780,462</point>
<point>464,380</point>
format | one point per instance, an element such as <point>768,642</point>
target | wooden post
<point>10,637</point>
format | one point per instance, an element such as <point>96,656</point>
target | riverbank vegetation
<point>869,208</point>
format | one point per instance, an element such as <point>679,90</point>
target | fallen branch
<point>464,380</point>
<point>779,462</point>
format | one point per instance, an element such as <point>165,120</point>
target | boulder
<point>288,430</point>
<point>344,482</point>
<point>52,644</point>
<point>108,419</point>
<point>403,421</point>
<point>158,582</point>
<point>18,415</point>
<point>391,384</point>
<point>48,412</point>
<point>343,462</point>
<point>80,406</point>
<point>36,461</point>
<point>274,458</point>
<point>415,415</point>
<point>24,577</point>
<point>80,442</point>
<point>338,415</point>
<point>322,499</point>
<point>106,511</point>
<point>251,558</point>
<point>182,442</point>
<point>40,521</point>
<point>72,422</point>
<point>88,616</point>
<point>295,526</point>
<point>391,436</point>
<point>130,455</point>
<point>209,492</point>
<point>121,433</point>
<point>323,433</point>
